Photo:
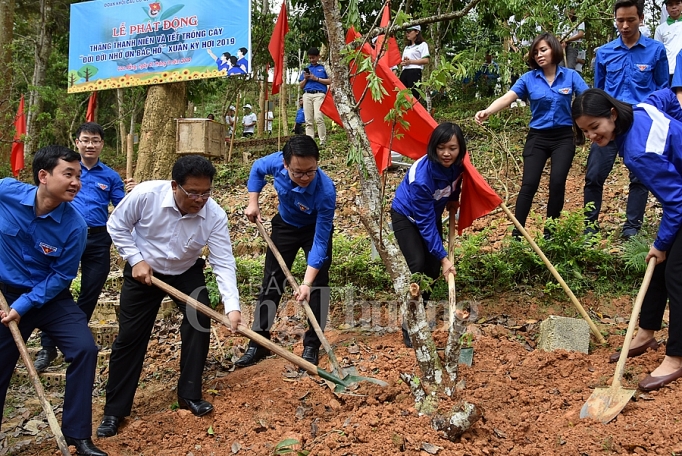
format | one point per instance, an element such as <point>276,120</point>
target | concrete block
<point>563,333</point>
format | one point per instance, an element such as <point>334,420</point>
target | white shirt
<point>568,25</point>
<point>249,119</point>
<point>671,37</point>
<point>270,117</point>
<point>230,120</point>
<point>415,52</point>
<point>147,225</point>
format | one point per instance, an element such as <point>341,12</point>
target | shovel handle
<point>241,329</point>
<point>555,273</point>
<point>28,362</point>
<point>452,290</point>
<point>620,367</point>
<point>309,312</point>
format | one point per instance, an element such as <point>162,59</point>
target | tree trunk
<point>434,381</point>
<point>43,49</point>
<point>156,153</point>
<point>122,133</point>
<point>6,37</point>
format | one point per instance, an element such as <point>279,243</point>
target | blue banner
<point>124,43</point>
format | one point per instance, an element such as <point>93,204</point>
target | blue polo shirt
<point>422,196</point>
<point>100,185</point>
<point>550,106</point>
<point>37,253</point>
<point>318,71</point>
<point>652,150</point>
<point>300,116</point>
<point>631,74</point>
<point>299,207</point>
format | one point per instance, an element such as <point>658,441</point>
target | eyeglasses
<point>196,196</point>
<point>310,174</point>
<point>94,142</point>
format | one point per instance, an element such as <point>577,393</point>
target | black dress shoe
<point>85,446</point>
<point>108,427</point>
<point>198,407</point>
<point>252,356</point>
<point>44,358</point>
<point>311,354</point>
<point>406,339</point>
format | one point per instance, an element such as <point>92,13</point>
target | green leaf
<point>171,11</point>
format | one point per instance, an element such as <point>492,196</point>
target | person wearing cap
<point>314,81</point>
<point>248,121</point>
<point>230,121</point>
<point>415,56</point>
<point>669,32</point>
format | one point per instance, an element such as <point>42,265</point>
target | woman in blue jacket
<point>550,88</point>
<point>432,183</point>
<point>650,142</point>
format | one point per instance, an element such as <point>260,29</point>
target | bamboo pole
<point>555,273</point>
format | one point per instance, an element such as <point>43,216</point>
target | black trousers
<point>289,239</point>
<point>599,164</point>
<point>414,248</point>
<point>410,77</point>
<point>139,306</point>
<point>666,287</point>
<point>65,323</point>
<point>95,265</point>
<point>541,145</point>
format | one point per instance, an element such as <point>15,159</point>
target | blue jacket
<point>422,196</point>
<point>312,205</point>
<point>665,100</point>
<point>652,150</point>
<point>100,185</point>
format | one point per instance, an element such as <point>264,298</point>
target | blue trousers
<point>599,164</point>
<point>66,324</point>
<point>95,266</point>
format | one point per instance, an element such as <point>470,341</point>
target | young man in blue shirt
<point>299,128</point>
<point>101,185</point>
<point>314,81</point>
<point>307,199</point>
<point>629,69</point>
<point>41,240</point>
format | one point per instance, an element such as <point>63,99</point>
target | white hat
<point>247,106</point>
<point>232,108</point>
<point>415,27</point>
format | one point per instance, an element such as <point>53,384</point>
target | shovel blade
<point>606,403</point>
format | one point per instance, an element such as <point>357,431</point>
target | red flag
<point>92,105</point>
<point>276,47</point>
<point>476,198</point>
<point>392,54</point>
<point>410,142</point>
<point>17,157</point>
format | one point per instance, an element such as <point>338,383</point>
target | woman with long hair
<point>431,185</point>
<point>550,88</point>
<point>415,56</point>
<point>650,142</point>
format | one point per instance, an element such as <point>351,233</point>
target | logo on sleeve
<point>47,249</point>
<point>102,186</point>
<point>643,67</point>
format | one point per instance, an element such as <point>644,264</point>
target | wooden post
<point>234,130</point>
<point>129,155</point>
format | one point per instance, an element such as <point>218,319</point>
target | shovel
<point>341,384</point>
<point>308,311</point>
<point>47,408</point>
<point>605,403</point>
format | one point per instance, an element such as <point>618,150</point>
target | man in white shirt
<point>231,121</point>
<point>670,33</point>
<point>248,121</point>
<point>160,229</point>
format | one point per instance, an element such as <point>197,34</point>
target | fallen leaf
<point>431,448</point>
<point>236,447</point>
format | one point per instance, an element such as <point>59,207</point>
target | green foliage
<point>286,447</point>
<point>212,287</point>
<point>635,251</point>
<point>232,174</point>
